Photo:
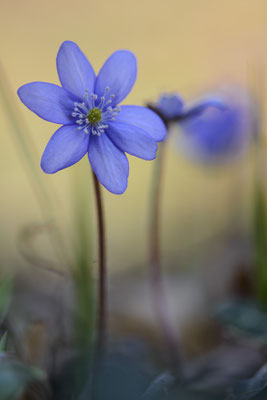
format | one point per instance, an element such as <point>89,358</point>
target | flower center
<point>93,114</point>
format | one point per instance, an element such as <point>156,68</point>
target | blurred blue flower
<point>212,129</point>
<point>87,107</point>
<point>216,136</point>
<point>172,107</point>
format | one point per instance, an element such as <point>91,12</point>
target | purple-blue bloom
<point>173,108</point>
<point>215,135</point>
<point>212,129</point>
<point>87,107</point>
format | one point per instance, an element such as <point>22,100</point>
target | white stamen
<point>107,112</point>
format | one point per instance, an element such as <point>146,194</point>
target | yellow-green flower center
<point>94,115</point>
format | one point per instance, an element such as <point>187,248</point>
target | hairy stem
<point>102,277</point>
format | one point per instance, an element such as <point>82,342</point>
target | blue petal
<point>145,119</point>
<point>215,136</point>
<point>66,147</point>
<point>74,70</point>
<point>132,140</point>
<point>170,105</point>
<point>119,74</point>
<point>48,101</point>
<point>109,164</point>
<point>202,105</point>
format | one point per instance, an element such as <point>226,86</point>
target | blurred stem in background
<point>260,212</point>
<point>157,286</point>
<point>30,161</point>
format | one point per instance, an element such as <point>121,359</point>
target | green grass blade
<point>259,200</point>
<point>3,342</point>
<point>29,161</point>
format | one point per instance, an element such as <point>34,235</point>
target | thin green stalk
<point>27,153</point>
<point>26,149</point>
<point>159,299</point>
<point>260,242</point>
<point>260,209</point>
<point>260,215</point>
<point>4,342</point>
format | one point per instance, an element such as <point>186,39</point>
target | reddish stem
<point>102,277</point>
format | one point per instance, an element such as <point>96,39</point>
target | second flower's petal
<point>109,164</point>
<point>215,136</point>
<point>170,105</point>
<point>66,147</point>
<point>198,107</point>
<point>48,101</point>
<point>119,74</point>
<point>132,140</point>
<point>74,70</point>
<point>145,119</point>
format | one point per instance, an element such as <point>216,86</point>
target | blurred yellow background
<point>187,46</point>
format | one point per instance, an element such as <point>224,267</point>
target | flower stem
<point>156,277</point>
<point>102,277</point>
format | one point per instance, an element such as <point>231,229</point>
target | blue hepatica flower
<point>87,107</point>
<point>214,129</point>
<point>172,107</point>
